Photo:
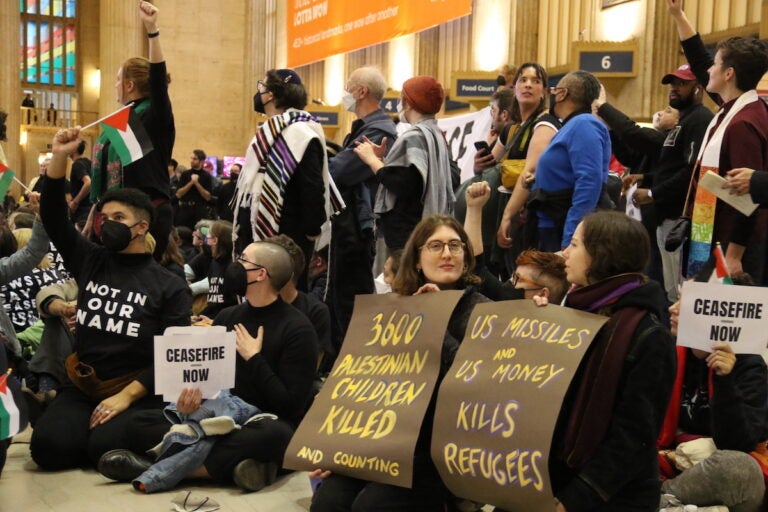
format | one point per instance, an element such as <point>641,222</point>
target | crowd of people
<point>118,253</point>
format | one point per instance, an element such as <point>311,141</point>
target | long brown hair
<point>408,278</point>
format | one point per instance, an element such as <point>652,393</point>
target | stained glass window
<point>49,42</point>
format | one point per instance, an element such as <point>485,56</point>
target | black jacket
<point>623,473</point>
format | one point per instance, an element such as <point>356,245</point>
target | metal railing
<point>31,116</point>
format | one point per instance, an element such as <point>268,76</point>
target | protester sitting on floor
<point>438,256</point>
<point>126,298</point>
<point>603,455</point>
<point>720,402</point>
<point>275,368</point>
<point>536,273</point>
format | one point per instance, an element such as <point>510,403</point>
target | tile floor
<point>23,488</point>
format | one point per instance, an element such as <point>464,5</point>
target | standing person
<point>572,170</point>
<point>227,192</point>
<point>125,299</point>
<point>352,237</point>
<point>194,191</point>
<point>284,186</point>
<point>603,455</point>
<point>736,137</point>
<point>80,186</point>
<point>665,184</point>
<point>415,176</point>
<point>437,256</point>
<point>143,84</point>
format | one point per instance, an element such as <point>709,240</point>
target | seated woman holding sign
<point>603,455</point>
<point>437,256</point>
<point>714,427</point>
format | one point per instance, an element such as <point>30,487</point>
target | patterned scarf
<point>704,203</point>
<point>107,173</point>
<point>270,161</point>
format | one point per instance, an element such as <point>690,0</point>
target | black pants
<point>339,493</point>
<point>189,214</point>
<point>62,438</point>
<point>161,228</point>
<point>264,441</point>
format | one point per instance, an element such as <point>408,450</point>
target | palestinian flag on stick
<point>6,178</point>
<point>715,269</point>
<point>127,135</point>
<point>10,418</point>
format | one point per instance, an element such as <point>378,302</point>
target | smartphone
<point>481,145</point>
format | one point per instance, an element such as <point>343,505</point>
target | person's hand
<point>540,300</point>
<point>734,265</point>
<point>559,507</point>
<point>738,180</point>
<point>722,359</point>
<point>601,99</point>
<point>478,194</point>
<point>380,150</point>
<point>629,180</point>
<point>73,206</point>
<point>319,473</point>
<point>366,152</point>
<point>641,197</point>
<point>502,235</point>
<point>675,7</point>
<point>189,400</point>
<point>427,288</point>
<point>195,178</point>
<point>109,408</point>
<point>148,14</point>
<point>483,160</point>
<point>65,141</point>
<point>247,345</point>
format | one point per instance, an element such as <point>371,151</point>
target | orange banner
<point>320,28</point>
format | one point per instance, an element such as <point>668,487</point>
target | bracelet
<point>153,34</point>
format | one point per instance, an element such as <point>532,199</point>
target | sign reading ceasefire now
<point>498,404</point>
<point>318,29</point>
<point>366,419</point>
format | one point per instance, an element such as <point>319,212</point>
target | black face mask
<point>116,236</point>
<point>258,103</point>
<point>235,279</point>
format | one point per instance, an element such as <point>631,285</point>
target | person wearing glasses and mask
<point>437,256</point>
<point>125,299</point>
<point>277,351</point>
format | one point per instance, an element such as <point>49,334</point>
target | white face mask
<point>349,101</point>
<point>401,112</point>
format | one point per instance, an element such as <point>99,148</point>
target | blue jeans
<point>169,471</point>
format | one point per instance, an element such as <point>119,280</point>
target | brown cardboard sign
<point>365,421</point>
<point>498,404</point>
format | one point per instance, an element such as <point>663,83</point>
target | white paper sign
<point>712,312</point>
<point>194,357</point>
<point>631,209</point>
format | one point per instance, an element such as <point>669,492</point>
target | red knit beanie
<point>424,94</point>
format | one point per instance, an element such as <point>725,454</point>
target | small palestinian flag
<point>6,178</point>
<point>10,418</point>
<point>127,135</point>
<point>715,269</point>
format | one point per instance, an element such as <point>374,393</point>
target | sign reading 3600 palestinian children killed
<point>714,312</point>
<point>366,419</point>
<point>498,404</point>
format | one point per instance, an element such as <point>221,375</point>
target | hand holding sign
<point>722,359</point>
<point>247,345</point>
<point>189,400</point>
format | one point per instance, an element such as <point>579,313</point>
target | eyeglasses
<point>516,278</point>
<point>255,265</point>
<point>553,90</point>
<point>438,246</point>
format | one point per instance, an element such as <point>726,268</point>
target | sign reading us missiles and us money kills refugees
<point>365,421</point>
<point>714,312</point>
<point>194,357</point>
<point>498,404</point>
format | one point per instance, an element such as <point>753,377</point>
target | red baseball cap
<point>683,73</point>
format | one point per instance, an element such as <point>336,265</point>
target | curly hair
<point>408,278</point>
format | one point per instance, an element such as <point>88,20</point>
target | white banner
<point>712,312</point>
<point>194,357</point>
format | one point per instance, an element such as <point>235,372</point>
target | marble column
<point>10,92</point>
<point>121,36</point>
